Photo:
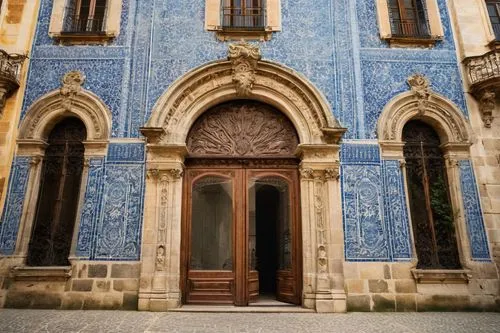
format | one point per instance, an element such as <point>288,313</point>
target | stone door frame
<point>243,76</point>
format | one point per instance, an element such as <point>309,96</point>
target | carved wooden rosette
<point>242,129</point>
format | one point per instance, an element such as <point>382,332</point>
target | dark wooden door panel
<point>210,287</point>
<point>253,286</point>
<point>287,287</point>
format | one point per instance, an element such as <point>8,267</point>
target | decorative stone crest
<point>486,106</point>
<point>71,85</point>
<point>419,84</point>
<point>160,258</point>
<point>244,58</point>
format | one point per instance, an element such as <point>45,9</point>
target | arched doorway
<point>241,220</point>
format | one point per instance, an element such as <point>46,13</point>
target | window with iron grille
<point>429,197</point>
<point>494,14</point>
<point>408,18</point>
<point>85,16</point>
<point>243,14</point>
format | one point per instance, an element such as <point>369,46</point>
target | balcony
<point>10,71</point>
<point>410,29</point>
<point>483,73</point>
<point>243,23</point>
<point>84,30</point>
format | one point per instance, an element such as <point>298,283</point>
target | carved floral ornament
<point>422,103</point>
<point>244,58</point>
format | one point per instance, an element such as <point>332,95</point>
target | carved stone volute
<point>244,58</point>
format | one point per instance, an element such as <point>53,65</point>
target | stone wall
<point>92,285</point>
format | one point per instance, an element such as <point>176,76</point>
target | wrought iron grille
<point>84,24</point>
<point>240,15</point>
<point>431,212</point>
<point>50,241</point>
<point>408,19</point>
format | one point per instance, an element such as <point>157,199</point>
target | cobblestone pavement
<point>121,321</point>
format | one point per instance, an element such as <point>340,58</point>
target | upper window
<point>243,19</point>
<point>409,22</point>
<point>85,16</point>
<point>494,14</point>
<point>85,21</point>
<point>243,14</point>
<point>408,18</point>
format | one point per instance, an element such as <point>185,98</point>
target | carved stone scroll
<point>244,58</point>
<point>72,85</point>
<point>242,128</point>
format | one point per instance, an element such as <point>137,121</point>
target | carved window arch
<point>242,128</point>
<point>58,197</point>
<point>429,197</point>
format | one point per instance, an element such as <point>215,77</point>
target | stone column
<point>322,235</point>
<point>160,267</point>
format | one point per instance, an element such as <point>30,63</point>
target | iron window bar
<point>243,18</point>
<point>410,28</point>
<point>84,24</point>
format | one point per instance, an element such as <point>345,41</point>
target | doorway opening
<point>266,216</point>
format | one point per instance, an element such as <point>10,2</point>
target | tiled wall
<point>333,43</point>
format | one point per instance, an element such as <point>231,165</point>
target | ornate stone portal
<point>175,114</point>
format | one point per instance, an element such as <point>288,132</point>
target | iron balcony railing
<point>410,28</point>
<point>249,18</point>
<point>84,24</point>
<point>483,68</point>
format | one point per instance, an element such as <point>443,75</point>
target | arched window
<point>85,16</point>
<point>58,195</point>
<point>431,211</point>
<point>408,18</point>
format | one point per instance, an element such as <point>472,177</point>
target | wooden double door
<point>241,235</point>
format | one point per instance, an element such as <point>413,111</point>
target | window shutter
<point>436,28</point>
<point>384,23</point>
<point>212,14</point>
<point>59,15</point>
<point>273,13</point>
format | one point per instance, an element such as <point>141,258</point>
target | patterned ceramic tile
<point>14,204</point>
<point>473,214</point>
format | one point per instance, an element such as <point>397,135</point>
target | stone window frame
<point>421,103</point>
<point>435,26</point>
<point>110,31</point>
<point>272,22</point>
<point>490,33</point>
<point>71,100</point>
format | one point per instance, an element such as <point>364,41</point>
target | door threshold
<point>286,308</point>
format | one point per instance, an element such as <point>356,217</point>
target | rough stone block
<point>443,303</point>
<point>387,272</point>
<point>377,286</point>
<point>72,301</point>
<point>46,301</point>
<point>351,270</point>
<point>356,286</point>
<point>125,271</point>
<point>384,303</point>
<point>18,300</point>
<point>92,302</point>
<point>406,286</point>
<point>371,271</point>
<point>126,285</point>
<point>99,271</point>
<point>401,271</point>
<point>111,302</point>
<point>358,303</point>
<point>130,301</point>
<point>406,303</point>
<point>82,285</point>
<point>102,285</point>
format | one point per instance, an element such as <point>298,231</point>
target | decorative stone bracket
<point>10,70</point>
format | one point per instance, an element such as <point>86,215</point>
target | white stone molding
<point>456,138</point>
<point>428,106</point>
<point>319,134</point>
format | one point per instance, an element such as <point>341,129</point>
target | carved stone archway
<point>243,76</point>
<point>70,100</point>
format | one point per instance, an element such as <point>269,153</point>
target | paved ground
<point>121,321</point>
